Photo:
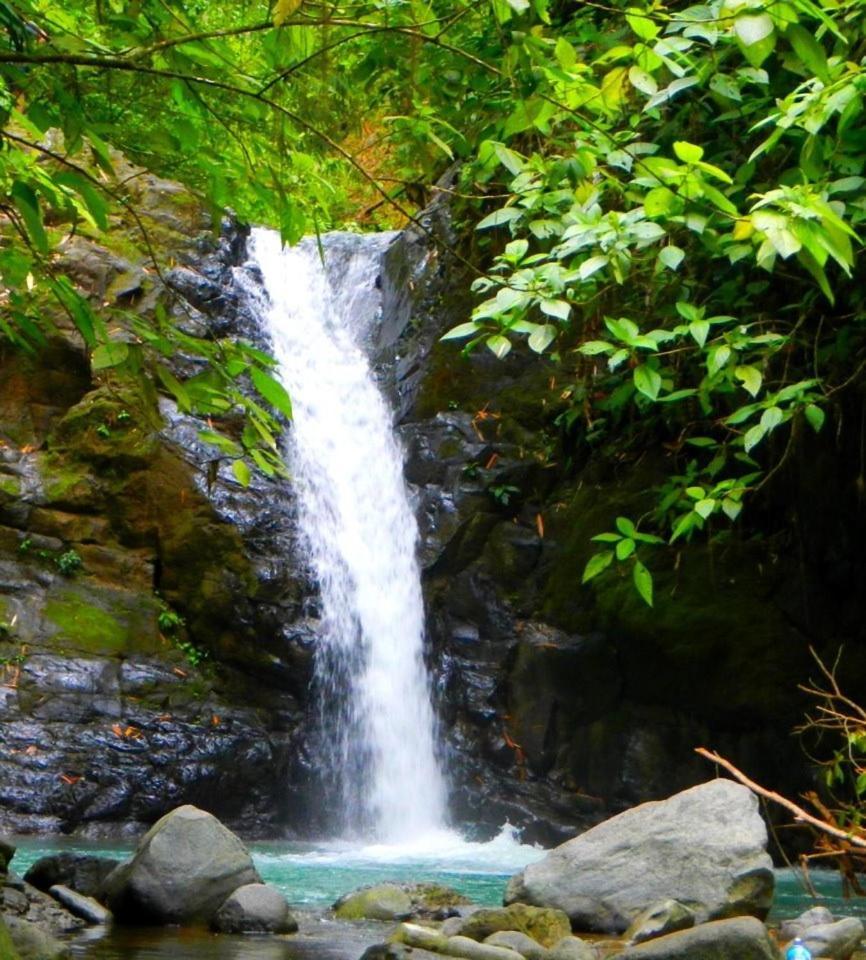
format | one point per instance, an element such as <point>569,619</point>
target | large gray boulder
<point>705,847</point>
<point>185,867</point>
<point>255,908</point>
<point>743,938</point>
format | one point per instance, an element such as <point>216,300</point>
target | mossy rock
<point>384,901</point>
<point>10,487</point>
<point>544,924</point>
<point>101,621</point>
<point>7,948</point>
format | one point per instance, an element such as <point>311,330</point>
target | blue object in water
<point>797,951</point>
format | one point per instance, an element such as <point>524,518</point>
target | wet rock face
<point>111,514</point>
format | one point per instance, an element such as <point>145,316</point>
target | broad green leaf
<point>752,28</point>
<point>597,564</point>
<point>541,338</point>
<point>771,418</point>
<point>750,377</point>
<point>27,203</point>
<point>731,508</point>
<point>643,81</point>
<point>594,347</point>
<point>647,380</point>
<point>498,345</point>
<point>499,217</point>
<point>556,308</point>
<point>659,201</point>
<point>643,582</point>
<point>753,437</point>
<point>688,152</point>
<point>110,354</point>
<point>461,330</point>
<point>625,526</point>
<point>223,443</point>
<point>625,548</point>
<point>815,415</point>
<point>643,25</point>
<point>272,391</point>
<point>705,507</point>
<point>606,538</point>
<point>241,472</point>
<point>591,266</point>
<point>671,257</point>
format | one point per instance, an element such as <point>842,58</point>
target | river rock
<point>421,938</point>
<point>742,938</point>
<point>255,908</point>
<point>384,901</point>
<point>571,948</point>
<point>31,942</point>
<point>705,847</point>
<point>468,949</point>
<point>81,872</point>
<point>7,852</point>
<point>789,929</point>
<point>545,925</point>
<point>520,942</point>
<point>660,919</point>
<point>836,941</point>
<point>89,909</point>
<point>183,870</point>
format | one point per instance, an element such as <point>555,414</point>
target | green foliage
<point>683,187</point>
<point>69,562</point>
<point>623,546</point>
<point>170,621</point>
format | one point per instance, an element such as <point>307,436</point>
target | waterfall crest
<point>378,741</point>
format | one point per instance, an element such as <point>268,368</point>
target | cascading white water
<point>347,468</point>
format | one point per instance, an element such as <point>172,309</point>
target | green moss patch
<point>105,622</point>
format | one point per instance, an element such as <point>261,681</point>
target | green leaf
<point>606,538</point>
<point>241,472</point>
<point>499,346</point>
<point>752,28</point>
<point>671,257</point>
<point>272,391</point>
<point>705,507</point>
<point>541,338</point>
<point>659,202</point>
<point>647,380</point>
<point>688,152</point>
<point>110,354</point>
<point>625,548</point>
<point>597,564</point>
<point>643,81</point>
<point>700,330</point>
<point>750,377</point>
<point>753,437</point>
<point>731,508</point>
<point>643,581</point>
<point>696,493</point>
<point>815,415</point>
<point>625,526</point>
<point>771,418</point>
<point>642,24</point>
<point>27,204</point>
<point>809,50</point>
<point>499,217</point>
<point>556,308</point>
<point>594,347</point>
<point>461,330</point>
<point>225,444</point>
<point>174,387</point>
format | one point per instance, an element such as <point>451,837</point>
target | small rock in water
<point>571,948</point>
<point>386,951</point>
<point>742,938</point>
<point>90,910</point>
<point>385,901</point>
<point>255,908</point>
<point>811,918</point>
<point>514,940</point>
<point>81,872</point>
<point>665,917</point>
<point>422,938</point>
<point>468,949</point>
<point>32,942</point>
<point>545,925</point>
<point>835,941</point>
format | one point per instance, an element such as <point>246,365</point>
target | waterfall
<point>377,722</point>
